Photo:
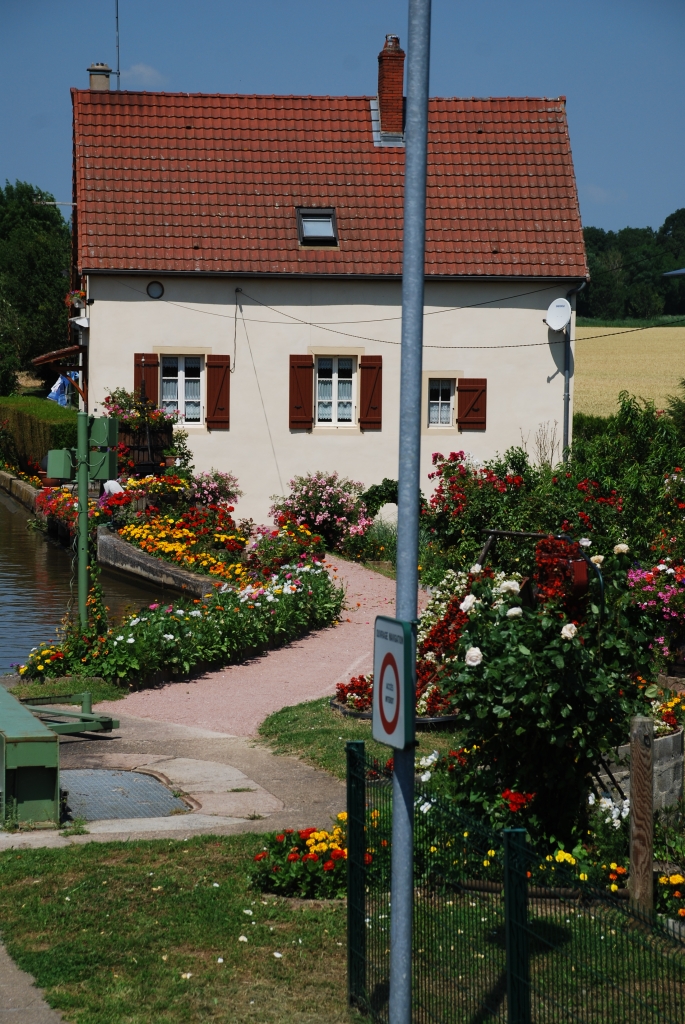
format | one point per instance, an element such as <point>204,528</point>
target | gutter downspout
<point>567,373</point>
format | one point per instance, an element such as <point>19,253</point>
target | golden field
<point>648,363</point>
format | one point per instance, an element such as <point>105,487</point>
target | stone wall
<point>668,770</point>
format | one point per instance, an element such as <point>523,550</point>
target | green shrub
<point>587,427</point>
<point>37,425</point>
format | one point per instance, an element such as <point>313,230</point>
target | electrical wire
<point>261,399</point>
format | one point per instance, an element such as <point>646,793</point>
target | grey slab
<point>97,793</point>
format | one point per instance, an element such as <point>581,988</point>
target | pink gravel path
<point>237,699</point>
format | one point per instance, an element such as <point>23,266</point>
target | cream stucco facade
<point>496,332</point>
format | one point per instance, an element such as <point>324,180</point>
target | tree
<point>34,268</point>
<point>626,271</point>
<point>11,347</point>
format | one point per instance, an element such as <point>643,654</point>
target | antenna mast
<point>116,19</point>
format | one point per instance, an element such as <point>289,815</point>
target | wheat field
<point>648,363</point>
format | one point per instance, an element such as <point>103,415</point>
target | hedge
<point>37,425</point>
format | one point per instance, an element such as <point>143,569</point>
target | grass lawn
<point>99,688</point>
<point>647,363</point>
<point>110,930</point>
<point>317,734</point>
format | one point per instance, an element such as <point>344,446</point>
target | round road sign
<point>391,694</point>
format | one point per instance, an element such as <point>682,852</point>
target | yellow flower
<point>676,879</point>
<point>40,668</point>
<point>614,887</point>
<point>486,863</point>
<point>663,880</point>
<point>433,849</point>
<point>465,835</point>
<point>613,865</point>
<point>342,816</point>
<point>491,853</point>
<point>582,876</point>
<point>549,857</point>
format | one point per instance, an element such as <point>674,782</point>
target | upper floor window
<point>440,402</point>
<point>317,227</point>
<point>335,389</point>
<point>182,387</point>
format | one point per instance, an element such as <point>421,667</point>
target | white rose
<point>569,631</point>
<point>585,542</point>
<point>621,549</point>
<point>468,603</point>
<point>514,612</point>
<point>509,587</point>
<point>425,777</point>
<point>474,656</point>
<point>475,569</point>
<point>597,559</point>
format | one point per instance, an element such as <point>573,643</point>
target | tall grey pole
<point>116,19</point>
<point>416,134</point>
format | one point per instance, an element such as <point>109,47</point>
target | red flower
<point>328,865</point>
<point>367,858</point>
<point>337,854</point>
<point>306,832</point>
<point>289,831</point>
<point>311,856</point>
<point>517,801</point>
<point>293,856</point>
<point>262,855</point>
<point>280,839</point>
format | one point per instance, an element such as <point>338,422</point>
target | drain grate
<point>97,794</point>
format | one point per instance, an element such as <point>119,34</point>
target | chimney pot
<point>99,77</point>
<point>391,86</point>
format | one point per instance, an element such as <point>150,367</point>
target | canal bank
<point>38,579</point>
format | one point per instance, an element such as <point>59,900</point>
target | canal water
<point>35,575</point>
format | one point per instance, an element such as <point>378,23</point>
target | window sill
<point>335,428</point>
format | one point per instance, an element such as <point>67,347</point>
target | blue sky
<point>619,63</point>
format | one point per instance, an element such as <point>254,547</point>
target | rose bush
<point>327,503</point>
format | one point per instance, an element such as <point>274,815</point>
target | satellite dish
<point>558,314</point>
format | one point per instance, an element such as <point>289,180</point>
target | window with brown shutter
<point>146,369</point>
<point>371,392</point>
<point>471,403</point>
<point>301,406</point>
<point>218,369</point>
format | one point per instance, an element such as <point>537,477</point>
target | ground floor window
<point>335,389</point>
<point>182,387</point>
<point>440,402</point>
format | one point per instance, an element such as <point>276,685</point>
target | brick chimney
<point>99,77</point>
<point>390,86</point>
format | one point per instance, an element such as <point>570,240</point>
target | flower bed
<point>311,863</point>
<point>177,638</point>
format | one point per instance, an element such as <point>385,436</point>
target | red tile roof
<point>179,182</point>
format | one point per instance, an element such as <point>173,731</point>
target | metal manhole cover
<point>97,794</point>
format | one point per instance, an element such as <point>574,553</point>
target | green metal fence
<point>500,933</point>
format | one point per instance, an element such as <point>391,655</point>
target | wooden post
<point>641,814</point>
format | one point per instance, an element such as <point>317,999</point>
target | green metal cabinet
<point>29,765</point>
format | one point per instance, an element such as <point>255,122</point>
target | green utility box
<point>29,765</point>
<point>60,464</point>
<point>102,465</point>
<point>104,432</point>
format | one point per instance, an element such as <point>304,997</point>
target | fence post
<point>641,880</point>
<point>356,889</point>
<point>516,926</point>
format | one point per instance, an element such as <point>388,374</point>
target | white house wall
<point>524,390</point>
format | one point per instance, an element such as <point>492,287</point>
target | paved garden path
<point>235,700</point>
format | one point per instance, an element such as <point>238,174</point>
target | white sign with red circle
<point>393,682</point>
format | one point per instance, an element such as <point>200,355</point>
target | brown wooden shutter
<point>146,368</point>
<point>371,392</point>
<point>301,408</point>
<point>218,392</point>
<point>471,403</point>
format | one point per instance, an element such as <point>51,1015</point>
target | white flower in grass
<point>425,808</point>
<point>468,603</point>
<point>515,612</point>
<point>569,631</point>
<point>597,559</point>
<point>662,567</point>
<point>508,587</point>
<point>120,638</point>
<point>279,956</point>
<point>591,799</point>
<point>621,549</point>
<point>475,569</point>
<point>585,542</point>
<point>425,777</point>
<point>474,656</point>
<point>131,640</point>
<point>196,613</point>
<point>242,938</point>
<point>134,622</point>
<point>169,636</point>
